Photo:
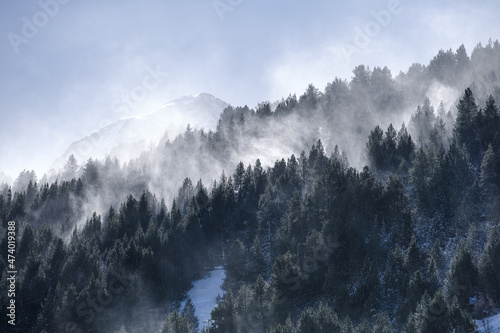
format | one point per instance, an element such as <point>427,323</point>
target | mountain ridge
<point>128,137</point>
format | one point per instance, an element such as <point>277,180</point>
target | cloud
<point>66,79</point>
<point>294,69</point>
<point>448,27</point>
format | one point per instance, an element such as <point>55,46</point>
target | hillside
<point>370,206</point>
<point>128,137</point>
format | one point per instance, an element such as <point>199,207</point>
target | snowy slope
<point>492,323</point>
<point>204,294</point>
<point>128,137</point>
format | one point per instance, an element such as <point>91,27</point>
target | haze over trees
<point>328,212</point>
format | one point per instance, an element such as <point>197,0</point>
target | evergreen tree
<point>288,327</point>
<point>390,148</point>
<point>223,315</point>
<point>462,61</point>
<point>490,183</point>
<point>376,150</point>
<point>144,211</point>
<point>236,262</point>
<point>416,289</point>
<point>70,168</point>
<point>189,313</point>
<point>465,131</point>
<point>489,270</point>
<point>490,124</point>
<point>319,320</point>
<point>175,323</point>
<point>285,281</point>
<point>405,149</point>
<point>382,324</point>
<point>256,263</point>
<point>413,256</point>
<point>462,277</point>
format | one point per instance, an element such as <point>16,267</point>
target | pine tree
<point>288,327</point>
<point>189,313</point>
<point>489,270</point>
<point>405,149</point>
<point>465,131</point>
<point>70,168</point>
<point>395,276</point>
<point>490,124</point>
<point>397,213</point>
<point>462,61</point>
<point>420,175</point>
<point>436,315</point>
<point>319,320</point>
<point>376,150</point>
<point>285,281</point>
<point>489,182</point>
<point>260,290</point>
<point>416,289</point>
<point>56,262</point>
<point>26,245</point>
<point>238,177</point>
<point>256,263</point>
<point>413,256</point>
<point>459,319</point>
<point>390,145</point>
<point>223,315</point>
<point>462,278</point>
<point>382,324</point>
<point>144,211</point>
<point>421,122</point>
<point>236,262</point>
<point>185,194</point>
<point>175,323</point>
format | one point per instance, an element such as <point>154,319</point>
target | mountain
<point>126,138</point>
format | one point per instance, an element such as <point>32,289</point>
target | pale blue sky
<point>68,77</point>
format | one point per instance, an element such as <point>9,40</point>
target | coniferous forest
<point>384,216</point>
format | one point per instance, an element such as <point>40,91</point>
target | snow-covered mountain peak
<point>127,137</point>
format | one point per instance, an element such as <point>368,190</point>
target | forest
<point>367,207</point>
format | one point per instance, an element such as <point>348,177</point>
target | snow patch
<point>204,295</point>
<point>128,137</point>
<point>489,324</point>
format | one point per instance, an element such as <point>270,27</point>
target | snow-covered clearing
<point>204,294</point>
<point>492,323</point>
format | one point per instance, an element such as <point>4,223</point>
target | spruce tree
<point>465,131</point>
<point>462,277</point>
<point>176,323</point>
<point>189,313</point>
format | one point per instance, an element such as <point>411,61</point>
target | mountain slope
<point>126,138</point>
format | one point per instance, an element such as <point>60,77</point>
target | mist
<point>143,145</point>
<point>83,61</point>
<point>341,115</point>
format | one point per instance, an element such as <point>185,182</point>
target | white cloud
<point>293,70</point>
<point>90,54</point>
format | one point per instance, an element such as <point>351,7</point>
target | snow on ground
<point>492,322</point>
<point>204,294</point>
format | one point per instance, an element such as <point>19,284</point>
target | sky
<point>69,67</point>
